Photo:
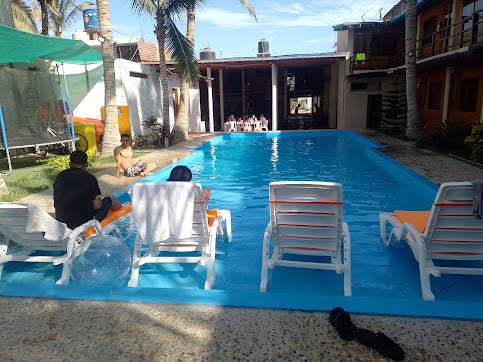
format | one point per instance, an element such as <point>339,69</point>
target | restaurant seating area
<point>251,124</point>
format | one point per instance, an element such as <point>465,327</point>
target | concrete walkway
<point>66,330</point>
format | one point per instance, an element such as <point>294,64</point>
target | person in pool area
<point>123,155</point>
<point>183,173</point>
<point>77,197</point>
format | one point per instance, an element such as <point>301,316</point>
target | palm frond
<point>23,16</point>
<point>250,8</point>
<point>177,8</point>
<point>181,50</point>
<point>150,7</point>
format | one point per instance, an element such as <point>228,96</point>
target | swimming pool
<point>239,168</point>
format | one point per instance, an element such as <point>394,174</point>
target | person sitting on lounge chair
<point>77,197</point>
<point>183,173</point>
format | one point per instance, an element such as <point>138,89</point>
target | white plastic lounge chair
<point>40,233</point>
<point>448,232</point>
<point>172,217</point>
<point>306,219</point>
<point>110,224</point>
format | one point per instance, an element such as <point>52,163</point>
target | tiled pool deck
<point>59,330</point>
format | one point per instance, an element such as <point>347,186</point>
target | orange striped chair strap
<point>113,215</point>
<point>319,202</point>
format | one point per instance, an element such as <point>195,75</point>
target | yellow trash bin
<point>85,136</point>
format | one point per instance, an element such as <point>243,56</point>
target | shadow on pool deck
<point>48,329</point>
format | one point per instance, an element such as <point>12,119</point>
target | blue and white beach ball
<point>101,260</point>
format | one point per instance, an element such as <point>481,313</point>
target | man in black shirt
<point>77,197</point>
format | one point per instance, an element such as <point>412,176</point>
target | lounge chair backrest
<point>13,224</point>
<point>306,215</point>
<point>147,210</point>
<point>452,231</point>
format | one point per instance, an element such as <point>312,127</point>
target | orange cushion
<point>212,214</point>
<point>418,219</point>
<point>110,217</point>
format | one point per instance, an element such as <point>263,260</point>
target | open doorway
<point>374,106</point>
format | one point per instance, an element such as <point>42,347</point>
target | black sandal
<point>342,322</point>
<point>380,342</point>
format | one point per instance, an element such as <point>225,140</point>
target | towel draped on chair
<point>171,205</point>
<point>39,221</point>
<point>477,198</point>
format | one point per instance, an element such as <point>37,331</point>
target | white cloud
<point>225,18</point>
<point>315,13</point>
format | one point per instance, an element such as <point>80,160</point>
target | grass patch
<point>28,177</point>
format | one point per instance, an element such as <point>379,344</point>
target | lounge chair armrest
<point>91,223</point>
<point>73,238</point>
<point>418,237</point>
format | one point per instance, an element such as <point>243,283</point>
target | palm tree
<point>66,13</point>
<point>45,9</point>
<point>24,16</point>
<point>414,127</point>
<point>170,38</point>
<point>111,126</point>
<point>180,130</point>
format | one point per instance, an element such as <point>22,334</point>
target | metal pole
<point>70,124</point>
<point>5,142</point>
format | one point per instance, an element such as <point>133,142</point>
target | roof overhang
<point>359,25</point>
<point>295,60</point>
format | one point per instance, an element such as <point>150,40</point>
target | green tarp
<point>19,46</point>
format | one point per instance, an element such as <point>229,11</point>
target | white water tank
<point>80,35</point>
<point>263,48</point>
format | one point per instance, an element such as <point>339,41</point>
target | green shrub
<point>156,132</point>
<point>451,138</point>
<point>56,165</point>
<point>475,143</point>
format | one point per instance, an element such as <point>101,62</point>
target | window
<point>469,8</point>
<point>429,27</point>
<point>138,75</point>
<point>434,97</point>
<point>359,42</point>
<point>384,44</point>
<point>368,86</point>
<point>469,94</point>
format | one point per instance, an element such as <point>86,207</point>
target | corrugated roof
<point>149,52</point>
<point>402,14</point>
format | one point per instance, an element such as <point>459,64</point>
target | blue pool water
<point>239,168</point>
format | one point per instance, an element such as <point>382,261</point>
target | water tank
<point>91,21</point>
<point>80,35</point>
<point>263,50</point>
<point>263,46</point>
<point>207,54</point>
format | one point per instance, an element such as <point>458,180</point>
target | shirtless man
<point>123,156</point>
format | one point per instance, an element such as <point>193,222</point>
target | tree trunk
<point>111,126</point>
<point>414,127</point>
<point>45,17</point>
<point>163,74</point>
<point>181,126</point>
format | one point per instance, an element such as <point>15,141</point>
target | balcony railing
<point>464,33</point>
<point>376,62</point>
<point>467,32</point>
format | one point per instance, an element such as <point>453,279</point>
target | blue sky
<point>291,27</point>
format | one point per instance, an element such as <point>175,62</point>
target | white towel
<point>163,209</point>
<point>40,221</point>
